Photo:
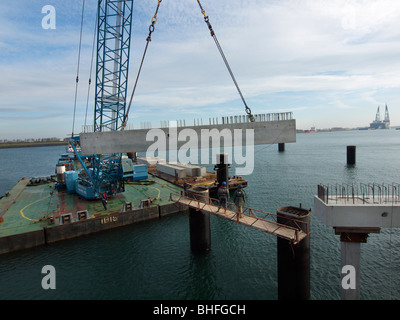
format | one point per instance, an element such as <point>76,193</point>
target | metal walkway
<point>257,219</point>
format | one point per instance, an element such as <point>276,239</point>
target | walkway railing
<point>293,229</point>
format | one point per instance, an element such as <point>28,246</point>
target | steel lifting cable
<point>151,30</point>
<point>206,19</point>
<point>77,72</point>
<point>91,68</point>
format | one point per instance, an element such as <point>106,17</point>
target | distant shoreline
<point>32,144</point>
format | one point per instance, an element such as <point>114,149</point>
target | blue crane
<point>102,173</point>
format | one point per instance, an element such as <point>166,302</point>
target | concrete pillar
<point>281,147</point>
<point>350,253</point>
<point>293,260</point>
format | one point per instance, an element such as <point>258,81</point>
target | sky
<point>330,62</point>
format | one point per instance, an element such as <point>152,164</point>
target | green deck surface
<point>27,208</point>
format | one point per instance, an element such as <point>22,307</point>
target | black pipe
<point>294,261</point>
<point>222,168</point>
<point>200,231</point>
<point>351,155</point>
<point>199,222</point>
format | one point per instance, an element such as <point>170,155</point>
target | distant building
<point>378,123</point>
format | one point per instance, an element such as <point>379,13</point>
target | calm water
<point>152,260</point>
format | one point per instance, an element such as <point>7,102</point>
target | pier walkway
<point>291,229</point>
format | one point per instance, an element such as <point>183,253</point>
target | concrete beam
<point>358,215</point>
<point>264,132</point>
<point>172,170</point>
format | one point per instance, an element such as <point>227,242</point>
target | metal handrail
<point>247,211</point>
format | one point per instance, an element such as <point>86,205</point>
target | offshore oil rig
<point>378,123</point>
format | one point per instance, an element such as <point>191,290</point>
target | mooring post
<point>222,168</point>
<point>199,223</point>
<point>351,155</point>
<point>294,260</point>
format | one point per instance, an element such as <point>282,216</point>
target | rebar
<point>376,193</point>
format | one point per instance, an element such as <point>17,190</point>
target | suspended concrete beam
<point>200,136</point>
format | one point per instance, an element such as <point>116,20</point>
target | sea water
<point>153,260</point>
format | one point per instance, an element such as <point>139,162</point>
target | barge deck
<point>37,214</point>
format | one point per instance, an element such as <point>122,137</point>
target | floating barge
<point>35,212</point>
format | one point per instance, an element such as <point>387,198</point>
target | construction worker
<point>239,198</point>
<point>223,196</point>
<point>104,199</point>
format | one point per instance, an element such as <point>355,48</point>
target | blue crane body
<point>102,173</point>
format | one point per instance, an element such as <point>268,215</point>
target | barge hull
<point>49,235</point>
<point>27,212</point>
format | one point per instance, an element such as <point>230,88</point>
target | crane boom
<point>113,48</point>
<point>114,25</point>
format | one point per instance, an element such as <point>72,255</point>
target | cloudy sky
<point>330,62</point>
